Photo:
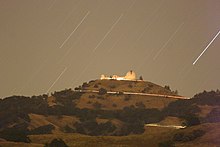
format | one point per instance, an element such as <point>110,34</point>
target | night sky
<point>50,45</point>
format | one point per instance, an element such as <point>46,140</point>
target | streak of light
<point>109,31</point>
<point>70,49</point>
<point>206,48</point>
<point>90,56</point>
<point>57,79</point>
<point>151,22</point>
<point>70,13</point>
<point>75,29</point>
<point>152,19</point>
<point>147,55</point>
<point>171,37</point>
<point>116,42</point>
<point>52,3</point>
<point>1,60</point>
<point>131,5</point>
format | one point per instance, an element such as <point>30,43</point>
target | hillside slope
<point>128,86</point>
<point>105,114</point>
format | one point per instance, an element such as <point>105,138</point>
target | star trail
<point>162,40</point>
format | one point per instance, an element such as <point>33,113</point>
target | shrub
<point>92,81</point>
<point>100,97</point>
<point>78,88</point>
<point>191,120</point>
<point>140,105</point>
<point>150,85</point>
<point>112,86</point>
<point>213,116</point>
<point>178,137</point>
<point>141,78</point>
<point>130,86</point>
<point>56,143</point>
<point>185,137</point>
<point>167,87</point>
<point>91,96</point>
<point>147,89</point>
<point>97,105</point>
<point>127,98</point>
<point>176,92</point>
<point>102,91</point>
<point>114,105</point>
<point>13,134</point>
<point>47,129</point>
<point>168,143</point>
<point>68,129</point>
<point>96,86</point>
<point>198,133</point>
<point>85,85</point>
<point>91,127</point>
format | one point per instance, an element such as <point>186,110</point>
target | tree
<point>167,87</point>
<point>85,84</point>
<point>140,105</point>
<point>141,78</point>
<point>191,120</point>
<point>96,86</point>
<point>167,143</point>
<point>175,92</point>
<point>102,91</point>
<point>16,135</point>
<point>97,105</point>
<point>46,129</point>
<point>56,143</point>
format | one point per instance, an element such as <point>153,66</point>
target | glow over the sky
<point>51,45</point>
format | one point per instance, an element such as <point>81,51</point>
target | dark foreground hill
<point>39,119</point>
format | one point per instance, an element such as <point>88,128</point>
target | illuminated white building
<point>129,76</point>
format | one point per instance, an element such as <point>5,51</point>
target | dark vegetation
<point>213,116</point>
<point>102,91</point>
<point>185,137</point>
<point>56,143</point>
<point>91,127</point>
<point>188,109</point>
<point>141,78</point>
<point>15,109</point>
<point>47,129</point>
<point>182,137</point>
<point>15,134</point>
<point>168,143</point>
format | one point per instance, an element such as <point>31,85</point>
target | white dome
<point>130,75</point>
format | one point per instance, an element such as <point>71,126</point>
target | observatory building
<point>130,76</point>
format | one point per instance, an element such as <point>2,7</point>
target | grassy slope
<point>120,101</point>
<point>128,86</point>
<point>210,139</point>
<point>81,140</point>
<point>58,122</point>
<point>151,138</point>
<point>18,144</point>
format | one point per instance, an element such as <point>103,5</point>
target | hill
<point>127,86</point>
<point>103,108</point>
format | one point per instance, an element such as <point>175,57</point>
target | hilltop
<point>127,86</point>
<point>103,108</point>
<point>111,94</point>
